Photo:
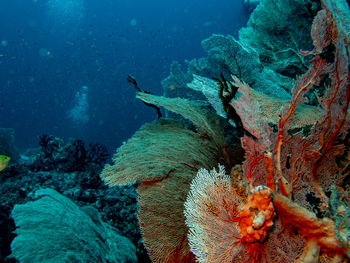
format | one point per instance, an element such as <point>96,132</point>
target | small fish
<point>4,161</point>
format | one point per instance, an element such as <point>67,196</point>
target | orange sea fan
<point>226,225</point>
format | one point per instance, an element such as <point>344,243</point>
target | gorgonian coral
<point>300,166</point>
<point>281,204</point>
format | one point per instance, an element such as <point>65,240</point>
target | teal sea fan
<point>205,121</point>
<point>53,229</point>
<point>155,156</point>
<point>163,157</point>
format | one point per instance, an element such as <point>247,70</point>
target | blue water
<point>50,49</point>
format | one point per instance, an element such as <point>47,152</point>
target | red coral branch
<point>303,84</point>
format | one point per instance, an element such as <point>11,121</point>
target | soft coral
<point>303,163</point>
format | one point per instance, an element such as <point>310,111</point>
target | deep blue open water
<point>63,63</point>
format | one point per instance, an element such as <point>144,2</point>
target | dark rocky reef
<point>55,154</point>
<point>71,169</point>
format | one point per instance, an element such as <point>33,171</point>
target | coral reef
<point>288,202</point>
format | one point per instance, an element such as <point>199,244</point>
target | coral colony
<point>289,199</point>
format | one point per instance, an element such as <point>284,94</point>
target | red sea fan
<point>301,165</point>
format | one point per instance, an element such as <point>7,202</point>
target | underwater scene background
<point>51,49</point>
<point>175,131</point>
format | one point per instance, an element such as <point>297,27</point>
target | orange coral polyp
<point>256,216</point>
